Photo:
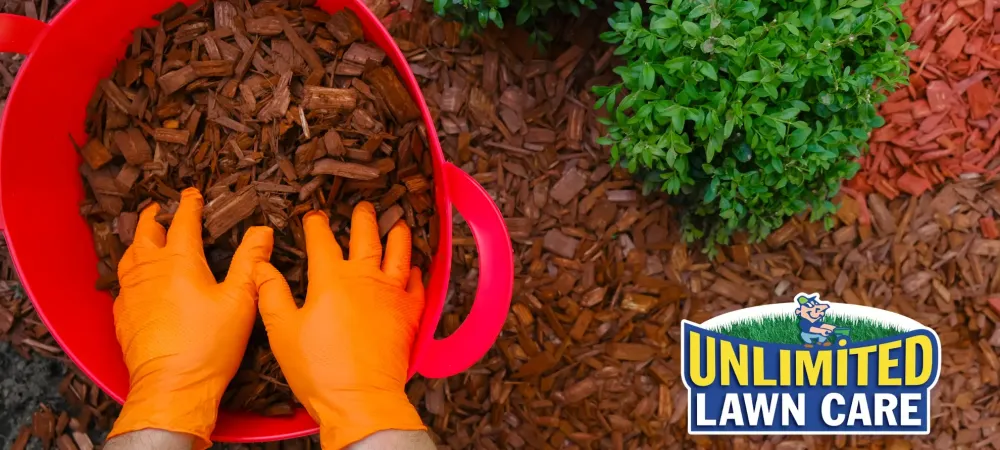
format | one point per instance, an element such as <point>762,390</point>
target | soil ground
<point>24,385</point>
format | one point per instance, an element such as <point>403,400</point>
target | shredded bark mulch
<point>271,111</point>
<point>944,125</point>
<point>589,357</point>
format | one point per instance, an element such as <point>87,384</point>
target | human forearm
<point>152,438</point>
<point>395,439</point>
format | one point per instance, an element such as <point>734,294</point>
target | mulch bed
<point>589,356</point>
<point>945,124</point>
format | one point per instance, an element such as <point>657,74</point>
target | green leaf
<point>752,76</point>
<point>788,114</point>
<point>439,6</point>
<point>714,146</point>
<point>771,90</point>
<point>671,43</point>
<point>523,15</point>
<point>860,3</point>
<point>496,17</point>
<point>708,70</point>
<point>781,128</point>
<point>648,76</point>
<point>799,137</point>
<point>712,191</point>
<point>699,11</point>
<point>691,29</point>
<point>743,153</point>
<point>636,15</point>
<point>841,14</point>
<point>662,23</point>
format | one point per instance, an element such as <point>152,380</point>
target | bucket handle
<point>18,34</point>
<point>455,353</point>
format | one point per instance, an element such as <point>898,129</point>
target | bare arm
<point>395,440</point>
<point>151,438</point>
<point>819,330</point>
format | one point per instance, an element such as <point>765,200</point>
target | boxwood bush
<point>749,111</point>
<point>480,13</point>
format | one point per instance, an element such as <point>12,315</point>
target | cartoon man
<point>811,313</point>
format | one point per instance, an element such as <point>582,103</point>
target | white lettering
<point>833,421</point>
<point>796,409</point>
<point>763,404</point>
<point>702,421</point>
<point>731,411</point>
<point>884,406</point>
<point>907,409</point>
<point>859,411</point>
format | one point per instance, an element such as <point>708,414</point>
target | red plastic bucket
<point>40,192</point>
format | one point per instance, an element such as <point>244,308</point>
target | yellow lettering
<point>759,379</point>
<point>813,369</point>
<point>842,367</point>
<point>695,359</point>
<point>785,359</point>
<point>862,354</point>
<point>885,363</point>
<point>733,363</point>
<point>926,355</point>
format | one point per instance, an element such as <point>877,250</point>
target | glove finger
<point>365,247</point>
<point>322,249</point>
<point>185,229</point>
<point>415,286</point>
<point>276,303</point>
<point>149,232</point>
<point>255,248</point>
<point>397,253</point>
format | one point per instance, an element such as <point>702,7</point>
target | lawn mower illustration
<point>842,336</point>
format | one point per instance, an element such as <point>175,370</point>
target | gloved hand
<point>345,353</point>
<point>183,334</point>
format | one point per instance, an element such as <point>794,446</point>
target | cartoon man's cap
<point>808,300</point>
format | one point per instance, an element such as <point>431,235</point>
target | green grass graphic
<point>784,329</point>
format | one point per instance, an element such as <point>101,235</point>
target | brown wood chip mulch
<point>271,110</point>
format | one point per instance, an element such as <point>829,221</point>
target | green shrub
<point>750,111</point>
<point>482,12</point>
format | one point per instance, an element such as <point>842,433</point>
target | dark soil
<point>24,385</point>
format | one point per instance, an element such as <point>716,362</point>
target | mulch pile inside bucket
<point>271,112</point>
<point>945,124</point>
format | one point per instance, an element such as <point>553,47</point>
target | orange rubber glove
<point>183,334</point>
<point>345,353</point>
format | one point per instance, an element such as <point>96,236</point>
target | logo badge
<point>809,367</point>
